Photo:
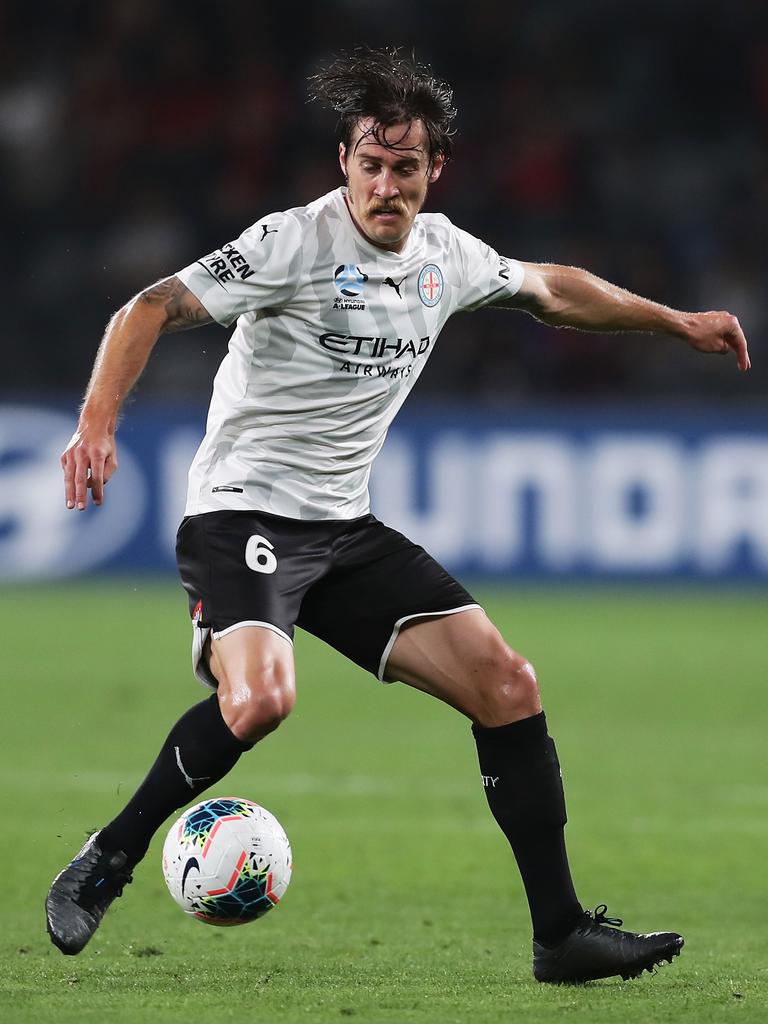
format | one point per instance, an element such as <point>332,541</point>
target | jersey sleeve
<point>259,270</point>
<point>487,279</point>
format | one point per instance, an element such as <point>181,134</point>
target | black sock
<point>521,775</point>
<point>199,750</point>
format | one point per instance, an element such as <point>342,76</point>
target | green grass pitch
<point>405,905</point>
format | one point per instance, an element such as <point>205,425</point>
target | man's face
<point>387,187</point>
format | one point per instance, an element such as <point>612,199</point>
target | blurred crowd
<point>630,139</point>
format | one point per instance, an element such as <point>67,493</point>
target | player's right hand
<point>88,461</point>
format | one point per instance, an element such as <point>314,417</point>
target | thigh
<point>462,660</point>
<point>379,583</point>
<point>246,569</point>
<point>251,652</point>
<point>251,664</point>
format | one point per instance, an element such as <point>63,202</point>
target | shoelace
<point>599,917</point>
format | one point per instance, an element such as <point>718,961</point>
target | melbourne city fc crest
<point>350,282</point>
<point>431,284</point>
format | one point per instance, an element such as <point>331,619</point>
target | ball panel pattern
<point>227,861</point>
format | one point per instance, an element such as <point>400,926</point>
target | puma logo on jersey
<point>267,230</point>
<point>395,284</point>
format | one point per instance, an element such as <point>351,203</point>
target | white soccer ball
<point>227,861</point>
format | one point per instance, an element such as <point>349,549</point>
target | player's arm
<point>571,297</point>
<point>90,458</point>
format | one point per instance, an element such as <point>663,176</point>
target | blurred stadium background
<point>135,137</point>
<point>630,139</point>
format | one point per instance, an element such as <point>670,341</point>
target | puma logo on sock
<point>190,780</point>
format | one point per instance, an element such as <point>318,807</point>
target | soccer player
<point>338,306</point>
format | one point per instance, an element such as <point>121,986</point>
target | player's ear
<point>343,158</point>
<point>437,168</point>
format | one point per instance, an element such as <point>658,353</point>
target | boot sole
<point>663,956</point>
<point>666,958</point>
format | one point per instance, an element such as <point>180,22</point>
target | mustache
<point>388,208</point>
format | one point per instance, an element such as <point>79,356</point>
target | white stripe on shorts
<point>251,622</point>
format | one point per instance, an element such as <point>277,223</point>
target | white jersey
<point>332,334</point>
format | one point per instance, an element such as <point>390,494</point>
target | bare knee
<point>508,689</point>
<point>256,699</point>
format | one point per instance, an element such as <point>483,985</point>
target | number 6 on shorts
<point>258,554</point>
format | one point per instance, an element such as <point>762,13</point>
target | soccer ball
<point>227,861</point>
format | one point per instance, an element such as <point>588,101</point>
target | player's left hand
<point>719,332</point>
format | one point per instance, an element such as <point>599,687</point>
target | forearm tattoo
<point>182,309</point>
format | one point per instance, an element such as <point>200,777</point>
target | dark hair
<point>390,87</point>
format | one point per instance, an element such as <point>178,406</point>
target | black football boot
<point>81,894</point>
<point>597,949</point>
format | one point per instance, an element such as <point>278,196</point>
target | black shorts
<point>352,583</point>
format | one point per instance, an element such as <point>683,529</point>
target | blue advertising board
<point>552,494</point>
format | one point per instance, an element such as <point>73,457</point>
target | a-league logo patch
<point>350,280</point>
<point>430,284</point>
